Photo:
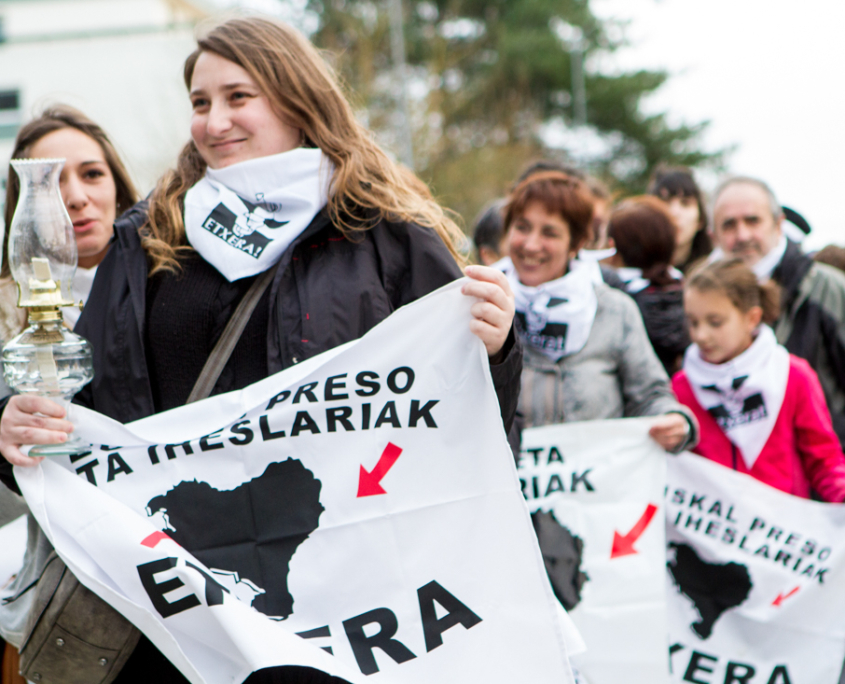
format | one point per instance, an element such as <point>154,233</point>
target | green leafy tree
<point>486,77</point>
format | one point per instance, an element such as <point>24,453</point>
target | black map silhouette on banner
<point>252,530</point>
<point>562,553</point>
<point>713,588</point>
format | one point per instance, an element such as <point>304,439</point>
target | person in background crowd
<point>677,187</point>
<point>587,354</point>
<point>761,410</point>
<point>601,195</point>
<point>747,224</point>
<point>595,247</point>
<point>269,121</point>
<point>644,234</point>
<point>832,255</point>
<point>95,188</point>
<point>489,234</point>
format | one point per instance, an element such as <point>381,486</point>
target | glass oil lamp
<point>47,359</point>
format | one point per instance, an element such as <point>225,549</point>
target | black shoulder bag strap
<point>219,356</point>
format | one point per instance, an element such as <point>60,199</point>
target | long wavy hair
<point>56,118</point>
<point>304,92</point>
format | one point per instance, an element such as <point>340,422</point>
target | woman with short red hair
<point>587,355</point>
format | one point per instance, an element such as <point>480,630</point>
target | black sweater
<point>186,314</point>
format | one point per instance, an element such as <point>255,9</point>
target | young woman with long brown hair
<point>278,174</point>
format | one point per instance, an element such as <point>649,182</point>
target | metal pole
<point>579,89</point>
<point>397,45</point>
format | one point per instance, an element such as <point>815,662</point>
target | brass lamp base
<point>51,361</point>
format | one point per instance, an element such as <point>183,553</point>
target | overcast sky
<point>768,75</point>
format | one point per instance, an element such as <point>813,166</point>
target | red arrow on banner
<point>623,545</point>
<point>369,483</point>
<point>782,597</point>
<point>152,540</point>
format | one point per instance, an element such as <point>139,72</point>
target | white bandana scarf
<point>591,257</point>
<point>744,395</point>
<point>243,217</point>
<point>634,281</point>
<point>556,317</point>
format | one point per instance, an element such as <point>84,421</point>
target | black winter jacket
<point>662,309</point>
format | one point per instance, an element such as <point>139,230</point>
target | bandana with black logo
<point>556,317</point>
<point>743,395</point>
<point>242,218</point>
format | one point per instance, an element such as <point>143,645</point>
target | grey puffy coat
<point>615,375</point>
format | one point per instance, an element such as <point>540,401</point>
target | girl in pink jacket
<point>761,410</point>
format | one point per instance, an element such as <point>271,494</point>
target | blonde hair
<point>367,186</point>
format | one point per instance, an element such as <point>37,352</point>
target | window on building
<point>10,113</point>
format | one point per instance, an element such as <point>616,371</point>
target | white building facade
<point>119,61</point>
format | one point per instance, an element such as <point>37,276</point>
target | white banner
<point>596,493</point>
<point>756,580</point>
<point>365,499</point>
<point>13,545</point>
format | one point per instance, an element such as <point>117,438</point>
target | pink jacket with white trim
<point>802,451</point>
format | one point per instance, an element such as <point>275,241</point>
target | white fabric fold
<point>744,395</point>
<point>242,218</point>
<point>556,317</point>
<point>764,268</point>
<point>634,281</point>
<point>596,254</point>
<point>591,258</point>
